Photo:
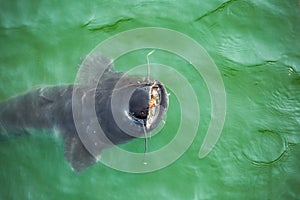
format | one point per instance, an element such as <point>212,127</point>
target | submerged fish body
<point>125,108</point>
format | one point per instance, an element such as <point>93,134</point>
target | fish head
<point>148,104</point>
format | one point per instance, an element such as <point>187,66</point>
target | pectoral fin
<point>76,154</point>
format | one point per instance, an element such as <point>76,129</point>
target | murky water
<point>255,45</point>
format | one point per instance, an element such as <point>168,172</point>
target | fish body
<point>122,105</point>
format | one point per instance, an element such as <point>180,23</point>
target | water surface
<point>255,45</point>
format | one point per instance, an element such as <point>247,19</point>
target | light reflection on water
<point>256,51</point>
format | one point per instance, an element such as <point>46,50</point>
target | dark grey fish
<point>125,107</point>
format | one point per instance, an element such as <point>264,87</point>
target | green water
<point>255,45</point>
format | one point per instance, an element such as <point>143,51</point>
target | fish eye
<point>141,115</point>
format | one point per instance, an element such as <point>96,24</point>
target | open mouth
<point>145,104</point>
<point>154,104</point>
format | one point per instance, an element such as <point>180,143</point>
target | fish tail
<point>20,113</point>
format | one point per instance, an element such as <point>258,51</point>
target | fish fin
<point>91,65</point>
<point>76,154</point>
